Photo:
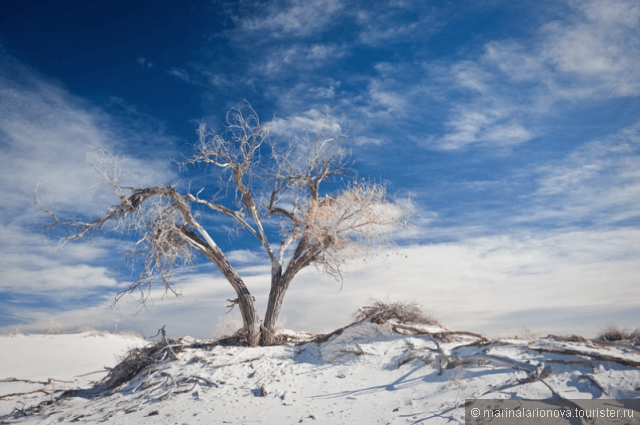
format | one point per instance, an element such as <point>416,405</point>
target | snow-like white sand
<point>368,373</point>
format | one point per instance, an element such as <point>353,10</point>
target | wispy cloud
<point>145,62</point>
<point>30,266</point>
<point>298,57</point>
<point>598,183</point>
<point>514,275</point>
<point>44,128</point>
<point>599,47</point>
<point>293,17</point>
<point>488,127</point>
<point>394,21</point>
<point>180,74</point>
<point>246,256</point>
<point>45,134</point>
<point>312,121</point>
<point>384,99</point>
<point>593,53</point>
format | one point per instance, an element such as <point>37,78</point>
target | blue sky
<point>513,126</point>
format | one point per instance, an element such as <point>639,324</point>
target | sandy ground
<point>368,373</point>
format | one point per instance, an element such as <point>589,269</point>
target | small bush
<point>228,326</point>
<point>613,332</point>
<point>17,330</point>
<point>405,312</point>
<point>133,363</point>
<point>577,338</point>
<point>54,327</point>
<point>526,333</point>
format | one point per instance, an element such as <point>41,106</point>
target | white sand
<point>367,374</point>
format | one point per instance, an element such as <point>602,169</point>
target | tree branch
<point>237,215</point>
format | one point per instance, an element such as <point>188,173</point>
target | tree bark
<point>245,300</point>
<point>302,257</point>
<point>250,317</point>
<point>279,286</point>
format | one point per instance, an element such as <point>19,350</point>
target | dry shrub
<point>527,333</point>
<point>54,327</point>
<point>577,338</point>
<point>136,360</point>
<point>17,330</point>
<point>228,325</point>
<point>612,332</point>
<point>237,339</point>
<point>404,312</point>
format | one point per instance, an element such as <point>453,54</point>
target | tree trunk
<point>279,286</point>
<point>250,317</point>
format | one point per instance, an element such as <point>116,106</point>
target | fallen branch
<point>164,338</point>
<point>440,353</point>
<point>624,362</point>
<point>106,369</point>
<point>21,380</point>
<point>7,396</point>
<point>595,382</point>
<point>617,344</point>
<point>444,335</point>
<point>573,362</point>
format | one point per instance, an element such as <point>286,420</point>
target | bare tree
<point>258,193</point>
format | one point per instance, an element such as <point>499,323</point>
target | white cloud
<point>31,275</point>
<point>483,126</point>
<point>299,57</point>
<point>469,75</point>
<point>145,63</point>
<point>364,140</point>
<point>61,280</point>
<point>515,61</point>
<point>180,73</point>
<point>599,181</point>
<point>245,256</point>
<point>295,17</point>
<point>312,121</point>
<point>393,21</point>
<point>602,44</point>
<point>382,32</point>
<point>327,92</point>
<point>592,53</point>
<point>490,285</point>
<point>507,135</point>
<point>384,98</point>
<point>217,80</point>
<point>45,134</point>
<point>483,116</point>
<point>45,139</point>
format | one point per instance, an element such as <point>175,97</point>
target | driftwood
<point>444,335</point>
<point>624,362</point>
